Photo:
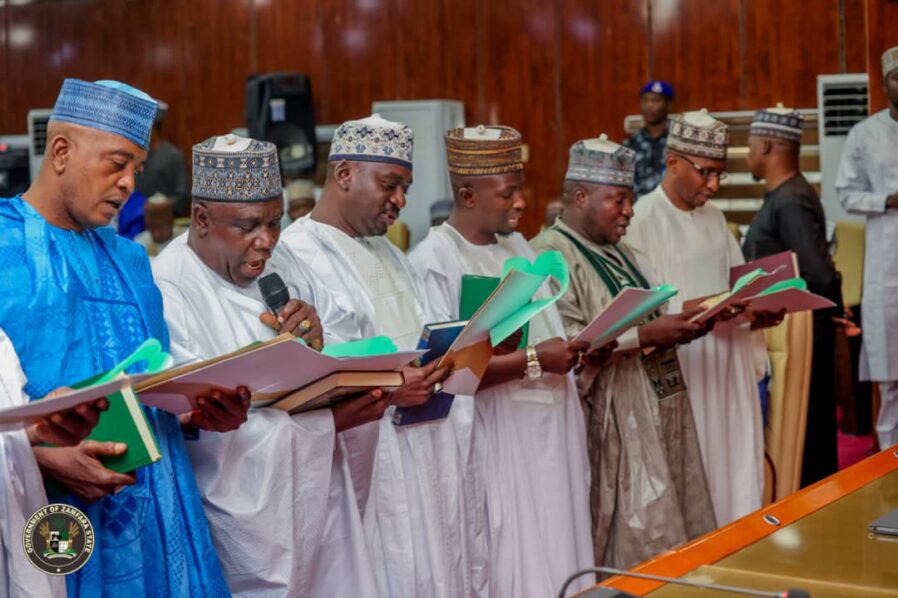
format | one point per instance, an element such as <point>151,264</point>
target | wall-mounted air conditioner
<point>843,102</point>
<point>37,137</point>
<point>429,121</point>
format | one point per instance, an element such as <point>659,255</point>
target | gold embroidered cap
<point>484,151</point>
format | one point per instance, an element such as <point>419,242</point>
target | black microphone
<point>274,292</point>
<point>600,592</point>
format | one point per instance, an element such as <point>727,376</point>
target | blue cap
<point>109,106</point>
<point>658,86</point>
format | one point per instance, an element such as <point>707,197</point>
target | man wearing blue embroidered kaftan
<point>76,300</point>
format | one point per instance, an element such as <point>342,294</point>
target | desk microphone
<point>600,592</point>
<point>274,292</point>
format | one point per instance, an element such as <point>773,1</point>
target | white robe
<point>868,174</point>
<point>21,493</point>
<point>529,439</point>
<point>414,515</point>
<point>694,251</point>
<point>277,491</point>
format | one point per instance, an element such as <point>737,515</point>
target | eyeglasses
<point>707,173</point>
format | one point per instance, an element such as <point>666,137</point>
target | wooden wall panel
<point>696,48</point>
<point>784,53</point>
<point>5,98</point>
<point>855,42</point>
<point>289,37</point>
<point>604,64</point>
<point>558,70</point>
<point>882,30</point>
<point>360,45</point>
<point>216,63</point>
<point>521,90</point>
<point>46,44</point>
<point>438,56</point>
<point>156,35</point>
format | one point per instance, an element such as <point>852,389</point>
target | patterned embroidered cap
<point>373,139</point>
<point>889,61</point>
<point>779,122</point>
<point>109,106</point>
<point>698,134</point>
<point>236,169</point>
<point>601,162</point>
<point>661,87</point>
<point>483,151</point>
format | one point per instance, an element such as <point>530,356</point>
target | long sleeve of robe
<point>277,492</point>
<point>415,508</point>
<point>694,251</point>
<point>21,493</point>
<point>529,440</point>
<point>867,172</point>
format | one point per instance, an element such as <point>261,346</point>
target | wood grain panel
<point>604,64</point>
<point>521,90</point>
<point>882,25</point>
<point>360,43</point>
<point>46,43</point>
<point>557,70</point>
<point>156,35</point>
<point>696,48</point>
<point>438,54</point>
<point>216,63</point>
<point>5,100</point>
<point>855,43</point>
<point>290,37</point>
<point>784,53</point>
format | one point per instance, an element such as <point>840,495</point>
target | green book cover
<point>126,422</point>
<point>475,290</point>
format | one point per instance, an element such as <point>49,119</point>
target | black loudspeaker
<point>279,109</point>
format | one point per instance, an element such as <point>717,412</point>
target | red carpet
<point>854,448</point>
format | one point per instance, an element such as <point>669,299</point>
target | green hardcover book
<point>126,422</point>
<point>475,290</point>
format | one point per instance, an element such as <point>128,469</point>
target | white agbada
<point>694,252</point>
<point>868,174</point>
<point>277,491</point>
<point>529,439</point>
<point>414,516</point>
<point>21,493</point>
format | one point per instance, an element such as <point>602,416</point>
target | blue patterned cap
<point>236,169</point>
<point>779,122</point>
<point>109,106</point>
<point>601,162</point>
<point>662,87</point>
<point>373,139</point>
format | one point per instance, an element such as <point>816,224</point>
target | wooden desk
<point>821,543</point>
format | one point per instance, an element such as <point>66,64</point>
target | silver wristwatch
<point>534,369</point>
